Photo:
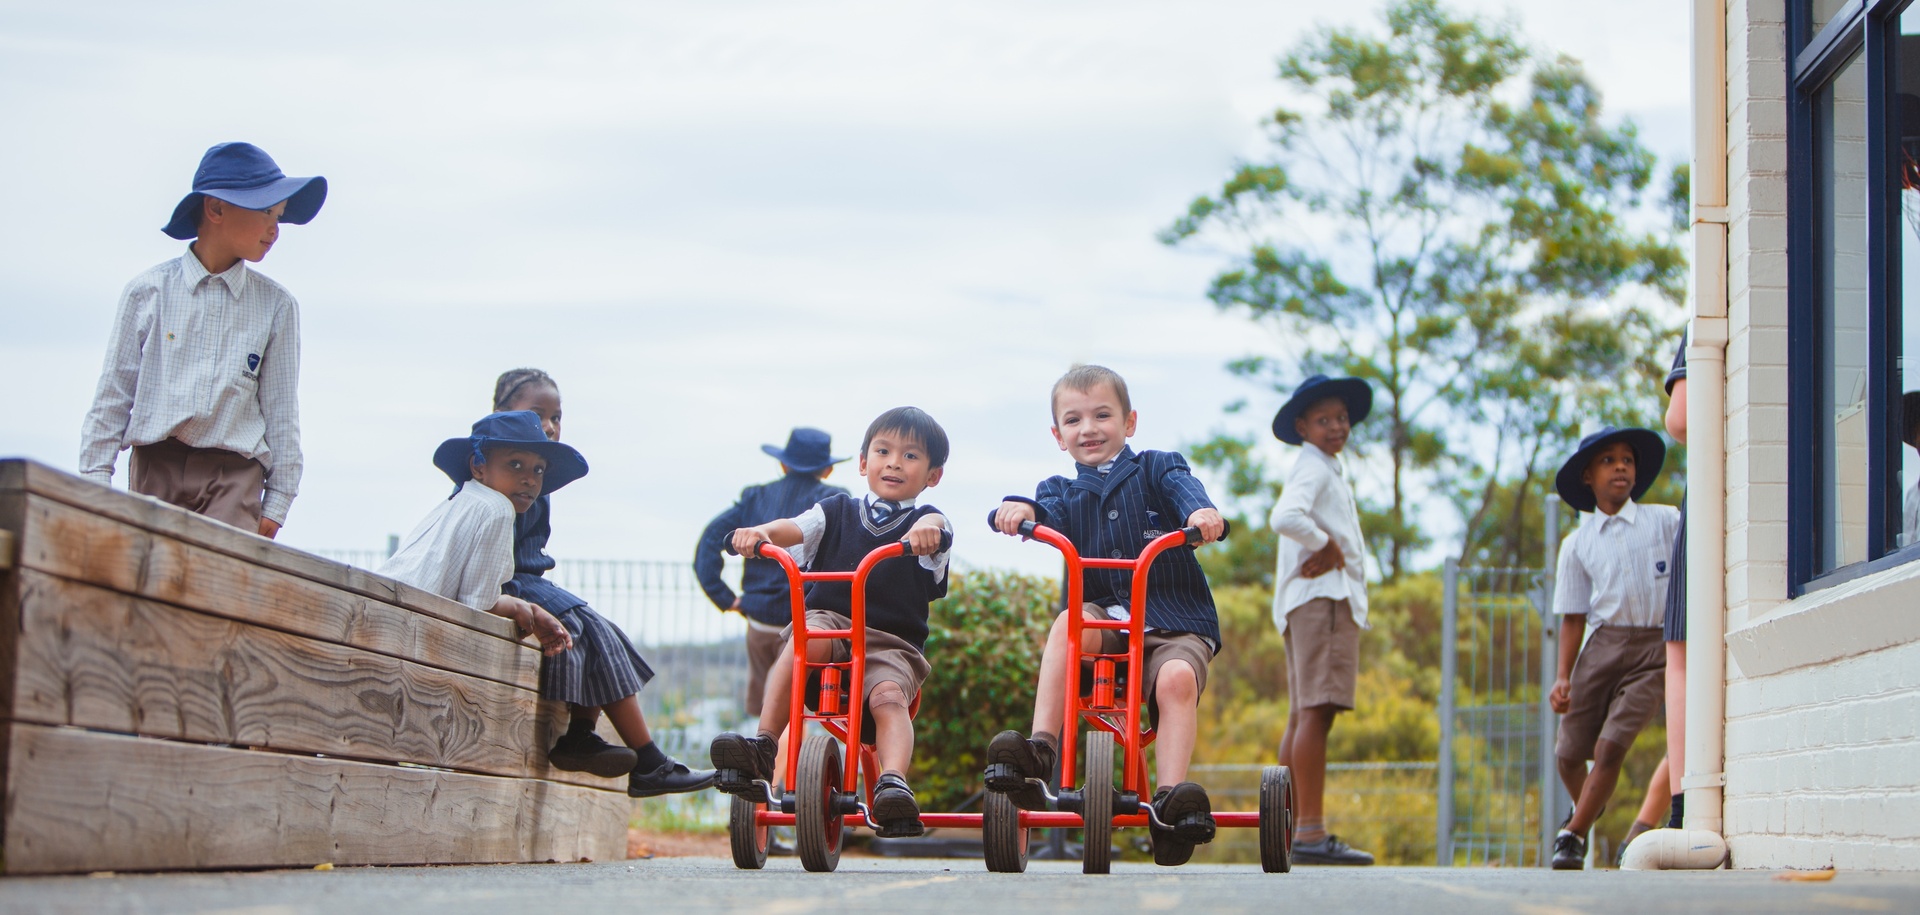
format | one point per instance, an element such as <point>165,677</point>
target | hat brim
<point>1357,394</point>
<point>798,465</point>
<point>304,197</point>
<point>564,465</point>
<point>1649,456</point>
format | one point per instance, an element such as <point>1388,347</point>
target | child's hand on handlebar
<point>1209,522</point>
<point>745,538</point>
<point>924,537</point>
<point>1010,516</point>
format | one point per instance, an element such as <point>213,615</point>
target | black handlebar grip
<point>1194,536</point>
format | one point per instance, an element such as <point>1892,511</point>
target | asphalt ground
<point>943,886</point>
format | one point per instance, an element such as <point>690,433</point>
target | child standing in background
<point>602,671</point>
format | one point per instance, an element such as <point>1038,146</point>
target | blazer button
<point>1115,554</point>
<point>1112,514</point>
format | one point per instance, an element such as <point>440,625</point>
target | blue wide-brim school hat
<point>519,429</point>
<point>807,450</point>
<point>1649,455</point>
<point>244,175</point>
<point>1357,394</point>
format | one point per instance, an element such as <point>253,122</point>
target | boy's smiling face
<point>896,466</point>
<point>1611,475</point>
<point>513,473</point>
<point>1089,425</point>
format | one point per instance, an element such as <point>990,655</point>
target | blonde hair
<point>1085,378</point>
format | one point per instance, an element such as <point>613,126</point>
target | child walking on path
<point>462,550</point>
<point>202,372</point>
<point>1319,596</point>
<point>805,464</point>
<point>601,671</point>
<point>903,454</point>
<point>1118,501</point>
<point>1611,586</point>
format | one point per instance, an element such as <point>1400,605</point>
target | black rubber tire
<point>1002,835</point>
<point>1276,819</point>
<point>749,839</point>
<point>818,820</point>
<point>1096,805</point>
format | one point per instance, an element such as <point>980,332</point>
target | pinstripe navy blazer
<point>1116,514</point>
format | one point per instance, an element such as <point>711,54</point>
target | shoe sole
<point>1019,756</point>
<point>603,764</point>
<point>1317,861</point>
<point>740,756</point>
<point>1184,804</point>
<point>700,785</point>
<point>897,816</point>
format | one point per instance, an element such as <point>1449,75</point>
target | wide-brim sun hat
<point>517,429</point>
<point>1649,455</point>
<point>808,450</point>
<point>1357,394</point>
<point>244,175</point>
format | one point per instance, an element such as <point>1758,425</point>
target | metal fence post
<point>1550,794</point>
<point>1449,635</point>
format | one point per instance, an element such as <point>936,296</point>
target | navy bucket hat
<point>1649,455</point>
<point>244,175</point>
<point>807,451</point>
<point>1357,394</point>
<point>519,429</point>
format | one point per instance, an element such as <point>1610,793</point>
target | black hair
<point>912,422</point>
<point>512,381</point>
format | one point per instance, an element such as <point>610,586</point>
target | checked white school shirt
<point>210,359</point>
<point>1615,568</point>
<point>462,550</point>
<point>1316,505</point>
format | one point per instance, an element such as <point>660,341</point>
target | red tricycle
<point>823,785</point>
<point>1110,706</point>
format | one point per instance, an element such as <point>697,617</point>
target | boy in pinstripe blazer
<point>1118,501</point>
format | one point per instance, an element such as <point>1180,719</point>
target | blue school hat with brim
<point>807,451</point>
<point>517,429</point>
<point>244,175</point>
<point>1357,393</point>
<point>1649,455</point>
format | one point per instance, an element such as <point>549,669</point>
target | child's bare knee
<point>1177,683</point>
<point>887,695</point>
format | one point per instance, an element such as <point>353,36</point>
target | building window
<point>1854,212</point>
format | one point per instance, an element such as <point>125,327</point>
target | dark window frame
<point>1870,27</point>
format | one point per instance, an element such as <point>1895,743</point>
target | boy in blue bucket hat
<point>202,372</point>
<point>1319,596</point>
<point>1610,587</point>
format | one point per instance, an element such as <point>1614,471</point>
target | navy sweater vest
<point>898,590</point>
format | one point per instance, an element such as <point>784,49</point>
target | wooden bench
<point>180,694</point>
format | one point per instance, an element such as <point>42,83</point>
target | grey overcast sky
<point>710,221</point>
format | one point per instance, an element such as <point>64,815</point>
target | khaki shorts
<point>1323,654</point>
<point>221,485</point>
<point>1619,685</point>
<point>763,647</point>
<point>1159,648</point>
<point>889,657</point>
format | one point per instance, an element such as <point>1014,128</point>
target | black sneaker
<point>896,815</point>
<point>673,777</point>
<point>1569,852</point>
<point>739,760</point>
<point>1330,850</point>
<point>589,753</point>
<point>1028,759</point>
<point>1189,818</point>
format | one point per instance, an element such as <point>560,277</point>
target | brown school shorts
<point>889,657</point>
<point>763,648</point>
<point>1323,654</point>
<point>1618,685</point>
<point>1159,648</point>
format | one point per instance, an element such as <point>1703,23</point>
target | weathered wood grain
<point>71,543</point>
<point>85,801</point>
<point>158,517</point>
<point>100,659</point>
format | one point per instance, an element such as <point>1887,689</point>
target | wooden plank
<point>84,801</point>
<point>71,543</point>
<point>99,659</point>
<point>160,518</point>
<point>13,521</point>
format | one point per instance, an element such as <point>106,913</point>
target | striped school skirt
<point>601,668</point>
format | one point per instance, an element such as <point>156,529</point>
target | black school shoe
<point>589,753</point>
<point>740,760</point>
<point>896,815</point>
<point>1330,850</point>
<point>1569,852</point>
<point>1189,818</point>
<point>1028,758</point>
<point>672,777</point>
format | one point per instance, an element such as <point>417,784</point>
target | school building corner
<point>1805,213</point>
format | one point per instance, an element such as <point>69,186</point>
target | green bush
<point>984,646</point>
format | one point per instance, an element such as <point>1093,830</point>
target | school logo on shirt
<point>1660,567</point>
<point>253,365</point>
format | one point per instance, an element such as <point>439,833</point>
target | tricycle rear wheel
<point>748,837</point>
<point>1276,819</point>
<point>1096,805</point>
<point>818,820</point>
<point>1002,835</point>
